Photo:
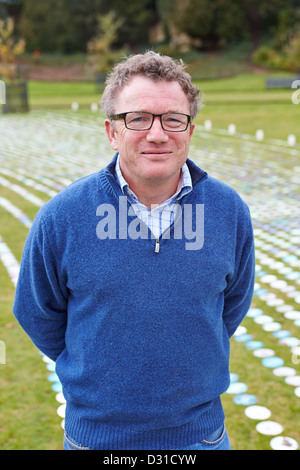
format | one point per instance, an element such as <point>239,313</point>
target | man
<point>133,279</point>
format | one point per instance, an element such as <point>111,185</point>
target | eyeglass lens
<point>144,121</point>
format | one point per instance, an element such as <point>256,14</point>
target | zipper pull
<point>157,246</point>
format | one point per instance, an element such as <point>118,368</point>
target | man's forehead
<point>141,92</point>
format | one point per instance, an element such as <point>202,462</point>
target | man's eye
<point>138,119</point>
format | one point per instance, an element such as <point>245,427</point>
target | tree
<point>9,48</point>
<point>138,17</point>
<point>232,20</point>
<point>211,20</point>
<point>46,25</point>
<point>261,15</point>
<point>67,25</point>
<point>164,10</point>
<point>102,57</point>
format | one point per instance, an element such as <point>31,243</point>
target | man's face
<point>154,156</point>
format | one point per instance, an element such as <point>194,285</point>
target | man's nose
<point>157,133</point>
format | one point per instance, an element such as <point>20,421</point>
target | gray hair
<point>154,66</point>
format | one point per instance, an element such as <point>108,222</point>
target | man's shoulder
<point>220,195</point>
<point>73,197</point>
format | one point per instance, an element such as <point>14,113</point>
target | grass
<point>242,100</point>
<point>61,94</point>
<point>28,406</point>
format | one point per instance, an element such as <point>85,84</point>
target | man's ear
<point>111,133</point>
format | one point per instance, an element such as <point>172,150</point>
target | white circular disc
<point>290,342</point>
<point>263,319</point>
<point>273,326</point>
<point>284,443</point>
<point>275,302</point>
<point>284,372</point>
<point>294,380</point>
<point>269,278</point>
<point>269,428</point>
<point>47,359</point>
<point>278,284</point>
<point>284,308</point>
<point>297,392</point>
<point>264,352</point>
<point>254,312</point>
<point>241,330</point>
<point>236,388</point>
<point>257,412</point>
<point>292,315</point>
<point>60,397</point>
<point>61,410</point>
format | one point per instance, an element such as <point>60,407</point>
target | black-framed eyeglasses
<point>143,121</point>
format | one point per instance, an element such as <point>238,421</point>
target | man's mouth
<point>156,152</point>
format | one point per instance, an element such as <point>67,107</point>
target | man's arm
<point>40,304</point>
<point>239,291</point>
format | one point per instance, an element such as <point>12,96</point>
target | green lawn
<point>61,94</point>
<point>242,100</point>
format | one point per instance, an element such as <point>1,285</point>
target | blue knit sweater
<point>140,338</point>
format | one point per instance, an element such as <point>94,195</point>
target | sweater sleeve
<point>40,304</point>
<point>239,291</point>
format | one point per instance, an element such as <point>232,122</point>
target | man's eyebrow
<point>165,112</point>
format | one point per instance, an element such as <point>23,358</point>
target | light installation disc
<point>241,330</point>
<point>245,399</point>
<point>294,380</point>
<point>252,345</point>
<point>272,362</point>
<point>257,412</point>
<point>284,371</point>
<point>57,387</point>
<point>61,410</point>
<point>296,350</point>
<point>269,428</point>
<point>243,338</point>
<point>264,352</point>
<point>53,377</point>
<point>292,315</point>
<point>278,284</point>
<point>236,388</point>
<point>233,378</point>
<point>47,359</point>
<point>51,366</point>
<point>60,398</point>
<point>290,342</point>
<point>282,334</point>
<point>272,326</point>
<point>263,319</point>
<point>254,312</point>
<point>284,443</point>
